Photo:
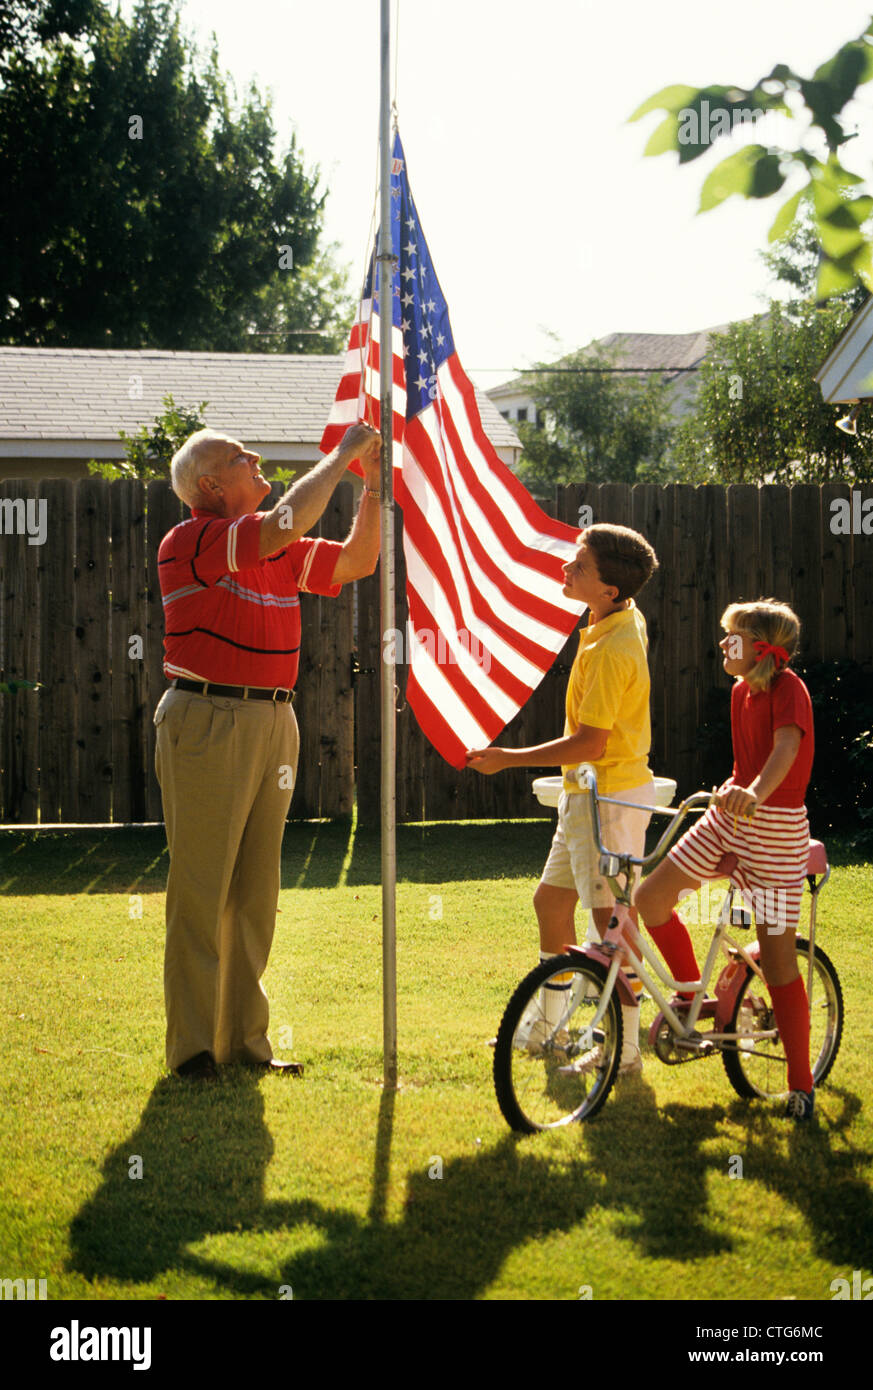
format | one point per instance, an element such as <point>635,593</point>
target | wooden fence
<point>81,748</point>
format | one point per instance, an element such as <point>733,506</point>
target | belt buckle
<point>276,689</point>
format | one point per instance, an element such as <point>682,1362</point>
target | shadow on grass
<point>313,854</point>
<point>823,1176</point>
<point>205,1151</point>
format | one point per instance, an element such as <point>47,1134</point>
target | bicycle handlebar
<point>586,778</point>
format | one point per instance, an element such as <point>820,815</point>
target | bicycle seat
<point>817,863</point>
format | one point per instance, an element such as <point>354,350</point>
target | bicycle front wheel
<point>759,1068</point>
<point>552,1064</point>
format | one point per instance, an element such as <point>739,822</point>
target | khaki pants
<point>225,768</point>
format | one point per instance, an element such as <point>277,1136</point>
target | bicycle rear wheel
<point>759,1069</point>
<point>551,1066</point>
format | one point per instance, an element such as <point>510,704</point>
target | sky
<point>547,226</point>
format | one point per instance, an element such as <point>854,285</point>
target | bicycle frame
<point>615,949</point>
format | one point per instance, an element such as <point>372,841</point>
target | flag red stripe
<point>435,727</point>
<point>547,564</point>
<point>539,520</point>
<point>472,699</point>
<point>423,619</point>
<point>418,442</point>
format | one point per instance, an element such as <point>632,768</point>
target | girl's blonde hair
<point>765,621</point>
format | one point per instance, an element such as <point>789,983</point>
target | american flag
<point>483,562</point>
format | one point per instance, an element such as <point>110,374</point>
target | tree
<point>149,210</point>
<point>26,22</point>
<point>759,414</point>
<point>149,451</point>
<point>794,261</point>
<point>697,118</point>
<point>600,424</point>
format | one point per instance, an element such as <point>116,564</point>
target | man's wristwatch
<point>374,492</point>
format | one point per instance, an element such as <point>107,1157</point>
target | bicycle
<point>548,1074</point>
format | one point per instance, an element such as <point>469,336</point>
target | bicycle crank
<point>673,1051</point>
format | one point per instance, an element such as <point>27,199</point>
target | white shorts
<point>574,859</point>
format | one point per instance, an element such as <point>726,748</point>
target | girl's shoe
<point>801,1105</point>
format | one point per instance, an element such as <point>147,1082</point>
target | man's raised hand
<point>363,443</point>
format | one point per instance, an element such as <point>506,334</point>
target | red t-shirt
<point>755,716</point>
<point>230,616</point>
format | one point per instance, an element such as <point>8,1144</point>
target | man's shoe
<point>276,1068</point>
<point>199,1068</point>
<point>801,1105</point>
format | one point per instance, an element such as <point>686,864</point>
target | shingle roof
<point>91,394</point>
<point>638,351</point>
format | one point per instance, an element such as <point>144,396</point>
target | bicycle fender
<point>625,993</point>
<point>728,986</point>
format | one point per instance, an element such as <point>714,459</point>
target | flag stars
<point>410,248</point>
<point>407,300</point>
<point>408,274</point>
<point>440,339</point>
<point>421,383</point>
<point>430,306</point>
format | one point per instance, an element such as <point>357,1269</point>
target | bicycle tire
<point>533,1092</point>
<point>762,1074</point>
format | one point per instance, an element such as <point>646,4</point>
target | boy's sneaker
<point>631,1066</point>
<point>801,1105</point>
<point>593,1060</point>
<point>544,1037</point>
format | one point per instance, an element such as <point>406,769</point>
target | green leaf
<point>664,137</point>
<point>751,172</point>
<point>668,99</point>
<point>834,277</point>
<point>785,216</point>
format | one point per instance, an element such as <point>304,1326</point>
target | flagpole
<point>386,315</point>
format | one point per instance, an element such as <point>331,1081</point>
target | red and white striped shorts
<point>772,850</point>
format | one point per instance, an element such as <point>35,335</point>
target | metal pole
<point>386,314</point>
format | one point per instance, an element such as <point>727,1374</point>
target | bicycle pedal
<point>700,1047</point>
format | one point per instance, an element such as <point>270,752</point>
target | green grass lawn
<point>336,1190</point>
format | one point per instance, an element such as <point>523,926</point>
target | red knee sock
<point>791,1008</point>
<point>674,943</point>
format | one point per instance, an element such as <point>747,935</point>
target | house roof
<point>847,372</point>
<point>637,352</point>
<point>66,394</point>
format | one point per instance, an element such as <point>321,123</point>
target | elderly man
<point>227,742</point>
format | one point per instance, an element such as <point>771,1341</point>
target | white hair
<point>190,462</point>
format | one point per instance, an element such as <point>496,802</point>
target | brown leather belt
<point>235,692</point>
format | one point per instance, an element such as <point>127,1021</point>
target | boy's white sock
<point>630,1027</point>
<point>555,993</point>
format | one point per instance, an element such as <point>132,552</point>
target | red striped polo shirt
<point>230,616</point>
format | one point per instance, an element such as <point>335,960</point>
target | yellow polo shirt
<point>609,689</point>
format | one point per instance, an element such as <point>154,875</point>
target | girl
<point>760,817</point>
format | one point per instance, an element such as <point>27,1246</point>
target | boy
<point>607,725</point>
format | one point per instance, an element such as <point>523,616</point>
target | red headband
<point>765,649</point>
